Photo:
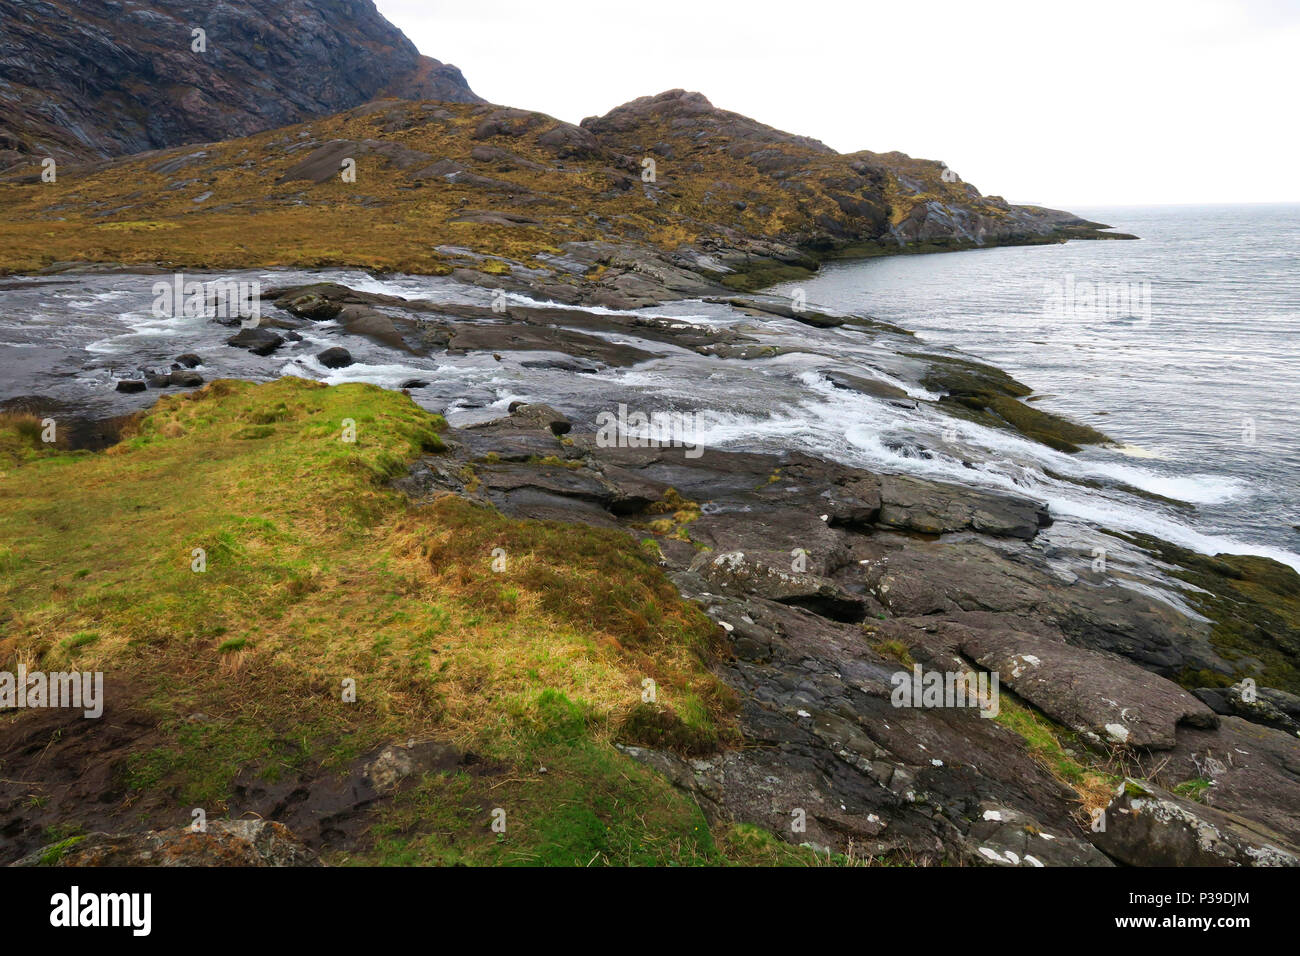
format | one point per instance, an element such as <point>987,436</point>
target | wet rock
<point>188,360</point>
<point>335,357</point>
<point>819,320</point>
<point>964,578</point>
<point>503,337</point>
<point>130,385</point>
<point>185,378</point>
<point>530,417</point>
<point>932,507</point>
<point>562,365</point>
<point>258,341</point>
<point>310,304</point>
<point>868,386</point>
<point>223,843</point>
<point>1149,826</point>
<point>373,324</point>
<point>414,383</point>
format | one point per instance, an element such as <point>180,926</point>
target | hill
<point>386,184</point>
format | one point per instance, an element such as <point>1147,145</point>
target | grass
<point>316,574</point>
<point>1194,789</point>
<point>1059,752</point>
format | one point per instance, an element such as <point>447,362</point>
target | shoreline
<point>897,572</point>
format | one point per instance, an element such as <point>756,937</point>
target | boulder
<point>335,357</point>
<point>310,305</point>
<point>185,378</point>
<point>257,341</point>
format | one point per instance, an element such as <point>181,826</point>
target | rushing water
<point>1204,389</point>
<point>1220,346</point>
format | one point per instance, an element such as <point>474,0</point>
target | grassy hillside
<point>317,573</point>
<point>503,182</point>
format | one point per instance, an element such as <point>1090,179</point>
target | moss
<point>1254,604</point>
<point>53,855</point>
<point>761,276</point>
<point>1194,789</point>
<point>989,396</point>
<point>662,728</point>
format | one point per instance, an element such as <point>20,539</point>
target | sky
<point>1068,105</point>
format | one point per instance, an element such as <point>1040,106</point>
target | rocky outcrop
<point>831,600</point>
<point>218,843</point>
<point>1149,826</point>
<point>96,78</point>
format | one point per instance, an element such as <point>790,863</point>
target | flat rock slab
<point>1089,691</point>
<point>946,577</point>
<point>934,507</point>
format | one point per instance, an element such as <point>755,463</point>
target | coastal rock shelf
<point>815,646</point>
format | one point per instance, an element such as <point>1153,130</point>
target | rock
<point>1088,691</point>
<point>967,579</point>
<point>271,68</point>
<point>335,357</point>
<point>1246,769</point>
<point>1261,710</point>
<point>738,573</point>
<point>399,761</point>
<point>528,417</point>
<point>224,843</point>
<point>933,507</point>
<point>258,341</point>
<point>310,305</point>
<point>818,320</point>
<point>130,385</point>
<point>188,360</point>
<point>414,383</point>
<point>1146,825</point>
<point>373,324</point>
<point>562,365</point>
<point>868,386</point>
<point>185,378</point>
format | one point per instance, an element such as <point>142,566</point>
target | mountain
<point>709,190</point>
<point>97,78</point>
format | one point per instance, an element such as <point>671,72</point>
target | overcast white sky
<point>1098,103</point>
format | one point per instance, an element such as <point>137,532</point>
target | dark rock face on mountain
<point>95,78</point>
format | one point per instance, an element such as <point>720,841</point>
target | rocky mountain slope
<point>87,78</point>
<point>392,184</point>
